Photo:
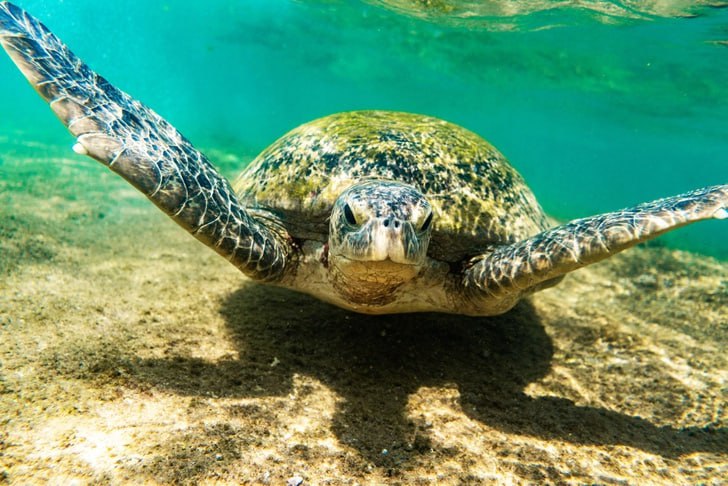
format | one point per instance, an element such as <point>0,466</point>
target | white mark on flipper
<point>79,149</point>
<point>721,213</point>
<point>116,157</point>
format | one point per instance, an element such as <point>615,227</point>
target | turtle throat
<point>369,282</point>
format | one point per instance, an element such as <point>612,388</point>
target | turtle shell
<point>478,199</point>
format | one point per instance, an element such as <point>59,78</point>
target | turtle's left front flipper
<point>142,147</point>
<point>509,272</point>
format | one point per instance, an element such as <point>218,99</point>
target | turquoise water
<point>599,109</point>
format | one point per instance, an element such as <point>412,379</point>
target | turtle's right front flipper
<point>142,147</point>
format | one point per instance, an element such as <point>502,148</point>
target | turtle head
<point>379,232</point>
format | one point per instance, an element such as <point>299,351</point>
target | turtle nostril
<point>386,223</point>
<point>396,224</point>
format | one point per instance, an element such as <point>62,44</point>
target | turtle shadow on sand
<point>374,363</point>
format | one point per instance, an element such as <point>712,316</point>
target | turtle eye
<point>427,223</point>
<point>349,215</point>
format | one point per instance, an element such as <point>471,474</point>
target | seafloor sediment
<point>129,352</point>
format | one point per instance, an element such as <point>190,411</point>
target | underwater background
<point>130,353</point>
<point>600,105</point>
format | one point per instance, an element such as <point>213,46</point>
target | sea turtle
<point>373,211</point>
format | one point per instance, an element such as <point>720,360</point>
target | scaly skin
<point>143,148</point>
<point>510,272</point>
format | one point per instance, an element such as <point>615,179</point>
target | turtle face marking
<point>379,221</point>
<point>378,237</point>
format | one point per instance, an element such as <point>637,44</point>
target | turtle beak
<point>395,240</point>
<point>387,239</point>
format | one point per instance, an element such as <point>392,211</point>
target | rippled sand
<point>131,352</point>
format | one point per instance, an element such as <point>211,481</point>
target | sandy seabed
<point>131,354</point>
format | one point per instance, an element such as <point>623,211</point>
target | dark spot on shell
<point>330,161</point>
